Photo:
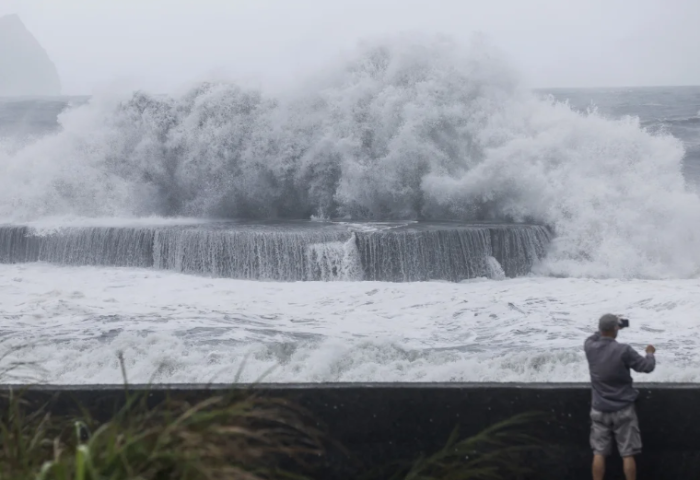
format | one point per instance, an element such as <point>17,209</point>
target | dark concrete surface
<point>382,423</point>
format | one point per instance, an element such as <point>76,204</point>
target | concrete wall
<point>381,423</point>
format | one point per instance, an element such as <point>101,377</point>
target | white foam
<point>495,269</point>
<point>409,127</point>
<point>335,260</point>
<point>52,223</point>
<point>179,328</point>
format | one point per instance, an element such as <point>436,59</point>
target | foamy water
<point>179,328</point>
<point>409,128</point>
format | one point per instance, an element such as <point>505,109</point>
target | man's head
<point>609,325</point>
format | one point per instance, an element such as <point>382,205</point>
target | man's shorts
<point>623,425</point>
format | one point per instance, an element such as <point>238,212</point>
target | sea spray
<point>411,127</point>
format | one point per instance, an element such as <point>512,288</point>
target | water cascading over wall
<point>106,246</point>
<point>280,253</point>
<point>452,253</point>
<point>259,255</point>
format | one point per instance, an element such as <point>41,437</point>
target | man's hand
<point>651,349</point>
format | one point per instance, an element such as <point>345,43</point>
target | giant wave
<point>410,127</point>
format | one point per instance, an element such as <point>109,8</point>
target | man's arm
<point>593,338</point>
<point>638,363</point>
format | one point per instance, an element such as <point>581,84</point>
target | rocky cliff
<point>25,67</point>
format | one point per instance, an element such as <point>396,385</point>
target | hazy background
<point>161,44</point>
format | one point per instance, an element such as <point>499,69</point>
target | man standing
<point>613,412</point>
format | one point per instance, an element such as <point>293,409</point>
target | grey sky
<point>161,44</point>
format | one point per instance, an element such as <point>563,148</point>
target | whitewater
<point>73,322</point>
<point>411,130</point>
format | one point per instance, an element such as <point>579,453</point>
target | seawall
<point>381,423</point>
<point>290,251</point>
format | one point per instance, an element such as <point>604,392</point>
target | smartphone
<point>624,323</point>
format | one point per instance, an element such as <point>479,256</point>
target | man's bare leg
<point>630,467</point>
<point>599,467</point>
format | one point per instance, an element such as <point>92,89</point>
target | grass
<point>501,451</point>
<point>223,437</point>
<point>236,436</point>
<point>498,452</point>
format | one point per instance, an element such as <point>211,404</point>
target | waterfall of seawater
<point>269,255</point>
<point>334,260</point>
<point>290,254</point>
<point>124,247</point>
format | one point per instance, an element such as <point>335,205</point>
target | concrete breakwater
<point>291,251</point>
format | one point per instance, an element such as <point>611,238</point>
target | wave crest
<point>408,128</point>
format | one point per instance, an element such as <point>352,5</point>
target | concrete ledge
<point>381,423</point>
<point>339,385</point>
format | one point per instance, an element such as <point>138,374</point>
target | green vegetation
<point>495,453</point>
<point>236,436</point>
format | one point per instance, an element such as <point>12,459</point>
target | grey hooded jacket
<point>609,363</point>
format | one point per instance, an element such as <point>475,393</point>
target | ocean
<point>413,215</point>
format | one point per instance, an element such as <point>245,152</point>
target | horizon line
<point>540,88</point>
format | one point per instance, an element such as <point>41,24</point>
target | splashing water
<point>335,260</point>
<point>409,128</point>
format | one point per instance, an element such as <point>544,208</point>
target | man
<point>613,412</point>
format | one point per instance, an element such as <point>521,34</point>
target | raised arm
<point>638,363</point>
<point>593,338</point>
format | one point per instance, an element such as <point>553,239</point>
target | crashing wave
<point>410,128</point>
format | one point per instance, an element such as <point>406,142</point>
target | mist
<point>163,45</point>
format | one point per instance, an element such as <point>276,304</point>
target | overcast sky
<point>162,44</point>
